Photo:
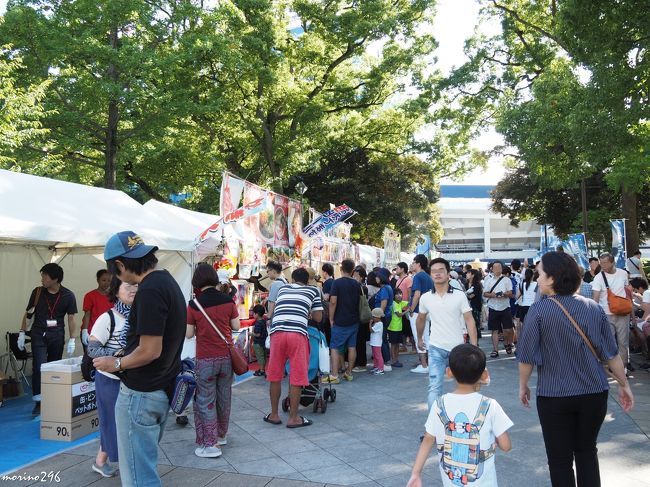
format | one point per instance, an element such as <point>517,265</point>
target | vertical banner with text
<point>618,242</point>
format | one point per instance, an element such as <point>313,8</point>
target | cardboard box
<point>69,431</point>
<point>66,371</point>
<point>65,396</point>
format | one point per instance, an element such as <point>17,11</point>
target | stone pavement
<point>368,437</point>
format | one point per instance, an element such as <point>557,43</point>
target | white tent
<point>44,220</point>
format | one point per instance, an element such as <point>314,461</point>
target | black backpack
<point>87,368</point>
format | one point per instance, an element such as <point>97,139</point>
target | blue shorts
<point>344,336</point>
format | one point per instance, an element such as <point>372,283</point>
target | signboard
<point>618,243</point>
<point>328,220</point>
<point>391,247</point>
<point>83,398</point>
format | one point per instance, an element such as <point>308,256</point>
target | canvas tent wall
<point>44,220</point>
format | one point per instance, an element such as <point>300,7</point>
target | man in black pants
<point>49,305</point>
<point>498,290</point>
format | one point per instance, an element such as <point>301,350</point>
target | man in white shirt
<point>616,280</point>
<point>634,265</point>
<point>498,290</point>
<point>446,308</point>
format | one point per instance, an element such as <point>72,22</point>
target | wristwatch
<point>118,363</point>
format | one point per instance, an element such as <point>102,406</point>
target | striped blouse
<point>565,365</point>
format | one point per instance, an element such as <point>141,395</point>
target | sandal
<point>258,373</point>
<point>494,354</point>
<point>304,422</point>
<point>509,349</point>
<point>269,420</point>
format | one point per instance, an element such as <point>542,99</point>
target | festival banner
<point>328,220</point>
<point>576,245</point>
<point>280,218</point>
<point>619,250</point>
<point>230,196</point>
<point>391,247</point>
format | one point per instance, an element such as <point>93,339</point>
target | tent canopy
<point>63,214</point>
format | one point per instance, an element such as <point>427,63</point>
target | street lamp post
<point>302,188</point>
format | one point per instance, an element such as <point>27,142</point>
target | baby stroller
<point>312,394</point>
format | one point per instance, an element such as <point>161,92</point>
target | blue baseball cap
<point>127,244</point>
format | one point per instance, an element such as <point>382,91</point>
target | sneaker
<point>398,364</point>
<point>420,370</point>
<point>330,379</point>
<point>37,409</point>
<point>105,470</point>
<point>359,369</point>
<point>208,452</point>
<point>348,377</point>
<point>182,420</point>
<point>387,368</point>
<point>378,372</point>
<point>372,371</point>
<point>222,441</point>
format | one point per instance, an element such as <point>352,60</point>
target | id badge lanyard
<point>51,322</point>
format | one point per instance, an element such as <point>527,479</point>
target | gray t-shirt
<point>276,285</point>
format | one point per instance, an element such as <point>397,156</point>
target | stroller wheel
<point>285,404</point>
<point>316,405</point>
<point>326,394</point>
<point>323,407</point>
<point>333,395</point>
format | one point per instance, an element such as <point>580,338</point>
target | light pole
<point>302,188</point>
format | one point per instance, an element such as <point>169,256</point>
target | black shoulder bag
<point>87,368</point>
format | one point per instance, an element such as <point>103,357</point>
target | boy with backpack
<point>466,448</point>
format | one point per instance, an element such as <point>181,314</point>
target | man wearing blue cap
<point>151,358</point>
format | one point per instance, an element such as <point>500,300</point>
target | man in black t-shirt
<point>151,360</point>
<point>48,305</point>
<point>344,320</point>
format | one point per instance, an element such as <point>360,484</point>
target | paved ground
<point>368,437</point>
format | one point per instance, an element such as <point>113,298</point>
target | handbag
<point>617,304</point>
<point>582,334</point>
<point>239,362</point>
<point>88,370</point>
<point>365,314</point>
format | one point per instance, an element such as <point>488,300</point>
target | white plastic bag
<point>323,356</point>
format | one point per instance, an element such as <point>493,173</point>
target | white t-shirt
<point>462,408</point>
<point>498,304</point>
<point>528,295</point>
<point>446,317</point>
<point>617,283</point>
<point>634,266</point>
<point>646,296</point>
<point>101,330</point>
<point>375,336</point>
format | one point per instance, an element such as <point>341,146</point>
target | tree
<point>566,84</point>
<point>114,90</point>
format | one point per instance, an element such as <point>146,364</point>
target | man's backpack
<point>183,387</point>
<point>88,370</point>
<point>461,456</point>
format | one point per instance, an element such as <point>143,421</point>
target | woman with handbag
<point>567,336</point>
<point>211,317</point>
<point>108,339</point>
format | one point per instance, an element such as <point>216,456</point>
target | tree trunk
<point>110,149</point>
<point>629,207</point>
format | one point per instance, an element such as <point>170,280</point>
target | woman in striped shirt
<point>572,387</point>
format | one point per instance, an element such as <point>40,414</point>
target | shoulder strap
<point>481,412</point>
<point>37,298</point>
<point>443,412</point>
<point>605,279</point>
<point>578,329</point>
<point>496,284</point>
<point>637,267</point>
<point>198,305</point>
<point>112,317</point>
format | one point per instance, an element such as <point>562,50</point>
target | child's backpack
<point>183,387</point>
<point>461,455</point>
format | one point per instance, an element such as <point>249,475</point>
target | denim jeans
<point>140,418</point>
<point>438,363</point>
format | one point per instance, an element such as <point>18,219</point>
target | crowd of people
<point>572,324</point>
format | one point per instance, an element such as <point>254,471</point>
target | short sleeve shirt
<point>617,283</point>
<point>96,303</point>
<point>385,294</point>
<point>221,309</point>
<point>159,309</point>
<point>396,321</point>
<point>52,307</point>
<point>348,293</point>
<point>505,285</point>
<point>276,285</point>
<point>646,297</point>
<point>102,332</point>
<point>446,317</point>
<point>404,284</point>
<point>327,286</point>
<point>293,306</point>
<point>421,282</point>
<point>462,408</point>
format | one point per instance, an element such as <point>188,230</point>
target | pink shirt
<point>404,284</point>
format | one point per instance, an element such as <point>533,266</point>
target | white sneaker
<point>387,368</point>
<point>420,370</point>
<point>222,441</point>
<point>208,452</point>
